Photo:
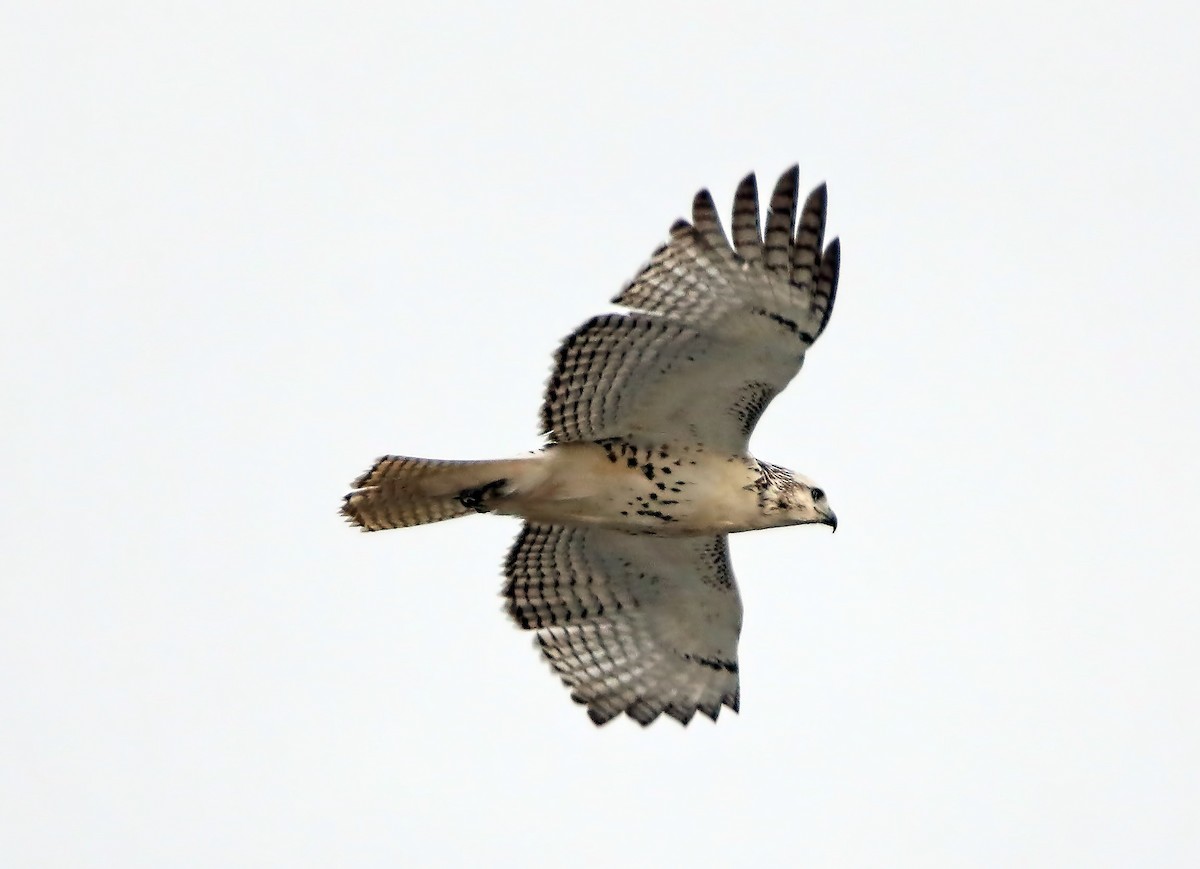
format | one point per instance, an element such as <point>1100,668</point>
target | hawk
<point>622,567</point>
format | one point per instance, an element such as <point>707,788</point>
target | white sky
<point>245,252</point>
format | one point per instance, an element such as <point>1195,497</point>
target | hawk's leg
<point>477,499</point>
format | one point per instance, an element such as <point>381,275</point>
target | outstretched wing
<point>716,331</point>
<point>631,623</point>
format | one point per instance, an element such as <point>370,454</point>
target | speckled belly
<point>664,489</point>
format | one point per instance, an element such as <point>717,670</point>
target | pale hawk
<point>622,568</point>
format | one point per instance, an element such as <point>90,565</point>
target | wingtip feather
<point>789,178</point>
<point>827,279</point>
<point>747,233</point>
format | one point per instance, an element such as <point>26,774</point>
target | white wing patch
<point>631,623</point>
<point>714,327</point>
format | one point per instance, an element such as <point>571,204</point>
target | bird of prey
<point>622,566</point>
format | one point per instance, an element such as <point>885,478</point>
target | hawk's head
<point>786,498</point>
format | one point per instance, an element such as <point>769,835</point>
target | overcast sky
<point>248,250</point>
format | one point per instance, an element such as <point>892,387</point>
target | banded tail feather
<point>400,491</point>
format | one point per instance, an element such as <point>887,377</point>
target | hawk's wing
<point>632,623</point>
<point>716,331</point>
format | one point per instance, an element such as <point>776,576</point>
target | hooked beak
<point>830,520</point>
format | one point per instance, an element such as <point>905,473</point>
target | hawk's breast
<point>662,489</point>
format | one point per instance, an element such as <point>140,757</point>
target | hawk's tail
<point>399,491</point>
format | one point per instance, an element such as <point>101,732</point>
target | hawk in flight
<point>622,567</point>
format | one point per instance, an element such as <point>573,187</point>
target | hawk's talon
<point>474,499</point>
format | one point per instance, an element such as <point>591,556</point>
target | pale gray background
<point>248,250</point>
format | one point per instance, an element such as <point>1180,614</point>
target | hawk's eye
<point>818,494</point>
